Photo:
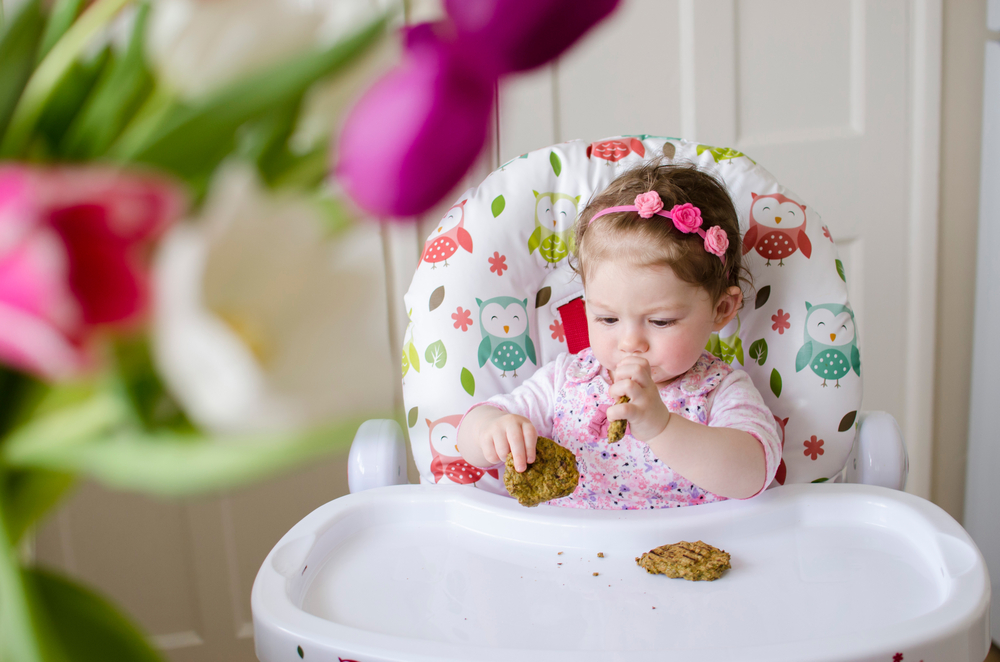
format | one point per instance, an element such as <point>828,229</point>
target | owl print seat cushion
<point>485,302</point>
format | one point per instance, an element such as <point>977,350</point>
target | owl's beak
<point>506,329</point>
<point>439,229</point>
<point>833,336</point>
<point>456,448</point>
<point>553,223</point>
<point>777,219</point>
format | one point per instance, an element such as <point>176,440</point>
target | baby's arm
<point>503,425</point>
<point>727,461</point>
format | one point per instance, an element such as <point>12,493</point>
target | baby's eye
<point>662,324</point>
<point>605,320</point>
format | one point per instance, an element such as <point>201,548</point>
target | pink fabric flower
<point>814,447</point>
<point>687,217</point>
<point>498,263</point>
<point>716,241</point>
<point>826,233</point>
<point>73,256</point>
<point>780,322</point>
<point>463,318</point>
<point>648,203</point>
<point>558,333</point>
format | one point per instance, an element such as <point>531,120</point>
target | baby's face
<point>649,312</point>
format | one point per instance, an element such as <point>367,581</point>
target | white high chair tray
<point>819,572</point>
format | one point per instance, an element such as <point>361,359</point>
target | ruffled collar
<point>706,374</point>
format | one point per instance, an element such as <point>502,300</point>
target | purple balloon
<point>417,131</point>
<point>514,35</point>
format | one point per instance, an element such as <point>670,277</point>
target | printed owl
<point>616,150</point>
<point>450,234</point>
<point>831,347</point>
<point>444,435</point>
<point>555,220</point>
<point>506,343</point>
<point>777,228</point>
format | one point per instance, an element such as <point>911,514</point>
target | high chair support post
<point>378,456</point>
<point>879,453</point>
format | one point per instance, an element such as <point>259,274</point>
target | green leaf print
<point>840,271</point>
<point>468,382</point>
<point>776,383</point>
<point>436,354</point>
<point>758,351</point>
<point>411,352</point>
<point>821,480</point>
<point>411,418</point>
<point>498,204</point>
<point>556,163</point>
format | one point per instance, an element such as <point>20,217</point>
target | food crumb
<point>558,563</point>
<point>559,554</point>
<point>595,574</point>
<point>600,555</point>
<point>654,607</point>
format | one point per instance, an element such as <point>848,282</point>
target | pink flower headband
<point>686,218</point>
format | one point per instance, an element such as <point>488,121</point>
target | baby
<point>659,255</point>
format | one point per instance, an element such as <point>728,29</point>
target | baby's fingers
<point>530,441</point>
<point>515,439</point>
<point>496,449</point>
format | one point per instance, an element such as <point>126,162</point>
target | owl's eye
<point>563,213</point>
<point>821,324</point>
<point>548,210</point>
<point>792,213</point>
<point>843,326</point>
<point>443,437</point>
<point>493,318</point>
<point>766,208</point>
<point>516,317</point>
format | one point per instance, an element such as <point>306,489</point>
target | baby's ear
<point>728,306</point>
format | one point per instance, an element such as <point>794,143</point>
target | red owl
<point>444,433</point>
<point>451,234</point>
<point>616,150</point>
<point>779,476</point>
<point>777,228</point>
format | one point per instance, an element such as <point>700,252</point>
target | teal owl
<point>555,220</point>
<point>506,343</point>
<point>831,347</point>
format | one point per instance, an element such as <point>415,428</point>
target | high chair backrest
<point>493,298</point>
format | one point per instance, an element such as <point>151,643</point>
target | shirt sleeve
<point>535,398</point>
<point>736,403</point>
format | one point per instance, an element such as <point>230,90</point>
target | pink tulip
<point>73,254</point>
<point>417,131</point>
<point>514,35</point>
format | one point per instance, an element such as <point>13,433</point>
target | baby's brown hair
<point>655,241</point>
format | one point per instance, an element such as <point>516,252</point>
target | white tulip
<point>197,45</point>
<point>262,323</point>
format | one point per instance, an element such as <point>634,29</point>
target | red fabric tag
<point>574,321</point>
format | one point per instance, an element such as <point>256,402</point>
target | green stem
<point>20,639</point>
<point>46,77</point>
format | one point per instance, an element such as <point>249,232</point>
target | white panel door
<point>837,98</point>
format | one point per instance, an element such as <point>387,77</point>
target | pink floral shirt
<point>567,400</point>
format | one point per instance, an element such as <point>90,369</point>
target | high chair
<point>849,570</point>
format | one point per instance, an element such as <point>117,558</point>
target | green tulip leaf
<point>437,297</point>
<point>87,626</point>
<point>411,418</point>
<point>758,351</point>
<point>840,271</point>
<point>847,421</point>
<point>762,296</point>
<point>18,47</point>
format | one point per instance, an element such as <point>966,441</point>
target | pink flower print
<point>498,263</point>
<point>781,321</point>
<point>826,233</point>
<point>599,423</point>
<point>898,657</point>
<point>814,447</point>
<point>558,333</point>
<point>463,318</point>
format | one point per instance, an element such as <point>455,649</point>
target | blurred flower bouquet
<point>157,162</point>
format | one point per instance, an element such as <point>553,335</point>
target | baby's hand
<point>647,415</point>
<point>509,434</point>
